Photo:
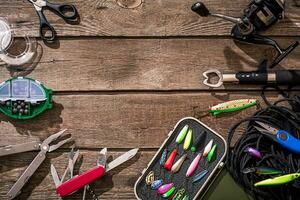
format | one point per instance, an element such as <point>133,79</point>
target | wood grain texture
<point>122,120</point>
<point>136,64</point>
<point>151,18</point>
<point>117,184</point>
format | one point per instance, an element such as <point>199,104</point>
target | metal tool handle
<point>13,149</point>
<point>66,11</point>
<point>288,77</point>
<point>14,191</point>
<point>288,141</point>
<point>45,28</point>
<point>252,77</point>
<point>80,181</point>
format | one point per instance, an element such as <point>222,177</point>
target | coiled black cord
<point>283,114</point>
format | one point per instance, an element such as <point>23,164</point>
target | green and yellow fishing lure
<point>280,180</point>
<point>232,106</point>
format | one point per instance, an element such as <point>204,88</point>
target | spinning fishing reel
<point>258,16</point>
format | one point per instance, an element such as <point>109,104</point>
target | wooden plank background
<point>123,77</point>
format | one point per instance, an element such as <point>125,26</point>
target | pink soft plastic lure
<point>165,188</point>
<point>193,166</point>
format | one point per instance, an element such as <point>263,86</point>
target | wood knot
<point>129,3</point>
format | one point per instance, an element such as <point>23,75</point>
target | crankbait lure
<point>253,152</point>
<point>156,184</point>
<point>150,178</point>
<point>278,180</point>
<point>262,170</point>
<point>179,195</point>
<point>212,153</point>
<point>24,98</point>
<point>165,188</point>
<point>208,148</point>
<point>199,142</point>
<point>168,164</point>
<point>176,167</point>
<point>163,157</point>
<point>232,106</point>
<point>193,166</point>
<point>182,134</point>
<point>169,193</point>
<point>199,176</point>
<point>188,140</point>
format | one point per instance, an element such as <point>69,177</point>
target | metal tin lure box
<point>158,179</point>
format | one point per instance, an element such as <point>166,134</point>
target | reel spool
<point>7,45</point>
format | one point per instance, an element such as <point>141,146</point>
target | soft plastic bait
<point>182,134</point>
<point>188,140</point>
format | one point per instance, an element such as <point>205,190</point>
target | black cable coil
<point>283,114</point>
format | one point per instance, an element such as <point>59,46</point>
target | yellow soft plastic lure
<point>232,106</point>
<point>280,180</point>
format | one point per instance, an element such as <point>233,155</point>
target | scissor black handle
<point>66,11</point>
<point>47,32</point>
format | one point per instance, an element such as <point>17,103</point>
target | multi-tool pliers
<point>44,147</point>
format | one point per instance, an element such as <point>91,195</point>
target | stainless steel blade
<point>14,191</point>
<point>53,137</point>
<point>102,157</point>
<point>55,176</point>
<point>269,128</point>
<point>19,148</point>
<point>262,130</point>
<point>121,159</point>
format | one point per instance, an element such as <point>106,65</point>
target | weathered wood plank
<point>134,64</point>
<point>150,18</point>
<point>117,184</point>
<point>122,120</point>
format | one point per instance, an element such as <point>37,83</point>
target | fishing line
<point>283,114</point>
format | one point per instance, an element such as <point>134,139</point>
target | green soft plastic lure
<point>188,140</point>
<point>232,106</point>
<point>169,193</point>
<point>212,152</point>
<point>182,134</point>
<point>262,170</point>
<point>280,180</point>
<point>24,98</point>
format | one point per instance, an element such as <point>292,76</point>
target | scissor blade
<point>262,130</point>
<point>121,159</point>
<point>55,177</point>
<point>19,148</point>
<point>14,191</point>
<point>267,127</point>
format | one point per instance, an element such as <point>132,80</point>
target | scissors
<point>283,137</point>
<point>66,11</point>
<point>44,148</point>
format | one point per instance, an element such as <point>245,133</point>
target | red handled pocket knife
<point>79,181</point>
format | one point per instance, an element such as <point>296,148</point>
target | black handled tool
<point>258,16</point>
<point>280,77</point>
<point>66,11</point>
<point>259,77</point>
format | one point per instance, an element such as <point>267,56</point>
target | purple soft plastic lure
<point>253,152</point>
